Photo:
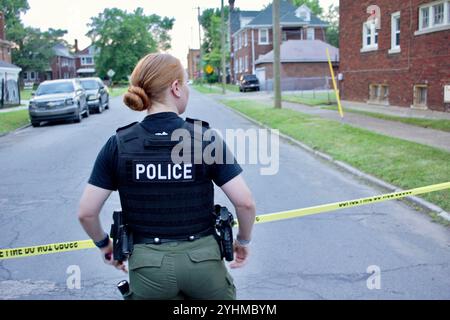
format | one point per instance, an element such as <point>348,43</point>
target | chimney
<point>76,45</point>
<point>2,26</point>
<point>231,3</point>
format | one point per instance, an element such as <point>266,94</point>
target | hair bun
<point>136,99</point>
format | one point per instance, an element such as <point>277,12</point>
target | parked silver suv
<point>58,100</point>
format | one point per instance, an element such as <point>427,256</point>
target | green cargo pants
<point>180,270</point>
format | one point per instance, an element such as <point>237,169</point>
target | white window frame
<point>84,63</point>
<point>32,77</point>
<point>240,40</point>
<point>245,38</point>
<point>267,36</point>
<point>25,75</point>
<point>374,32</point>
<point>394,47</point>
<point>308,33</point>
<point>432,27</point>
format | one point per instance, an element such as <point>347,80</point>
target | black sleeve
<point>104,173</point>
<point>225,171</point>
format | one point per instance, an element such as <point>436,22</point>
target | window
<point>25,76</point>
<point>263,36</point>
<point>245,39</point>
<point>370,37</point>
<point>434,16</point>
<point>32,75</point>
<point>379,93</point>
<point>235,43</point>
<point>310,34</point>
<point>87,61</point>
<point>284,36</point>
<point>420,96</point>
<point>425,15</point>
<point>246,63</point>
<point>395,32</point>
<point>438,14</point>
<point>240,40</point>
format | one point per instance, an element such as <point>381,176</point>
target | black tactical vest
<point>161,198</point>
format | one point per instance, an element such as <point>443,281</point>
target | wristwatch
<point>103,243</point>
<point>242,243</point>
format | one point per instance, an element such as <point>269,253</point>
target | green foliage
<point>314,5</point>
<point>35,48</point>
<point>12,10</point>
<point>210,20</point>
<point>123,38</point>
<point>332,17</point>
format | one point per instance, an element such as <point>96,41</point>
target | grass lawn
<point>438,124</point>
<point>207,89</point>
<point>229,87</point>
<point>25,94</point>
<point>10,121</point>
<point>117,91</point>
<point>402,163</point>
<point>310,98</point>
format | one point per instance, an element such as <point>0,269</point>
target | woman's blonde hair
<point>151,77</point>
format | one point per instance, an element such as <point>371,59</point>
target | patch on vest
<point>151,171</point>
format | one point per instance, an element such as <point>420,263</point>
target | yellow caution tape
<point>88,244</point>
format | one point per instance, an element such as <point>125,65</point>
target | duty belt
<point>138,239</point>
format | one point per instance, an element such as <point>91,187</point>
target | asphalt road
<point>44,170</point>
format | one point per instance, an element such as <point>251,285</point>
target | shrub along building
<point>251,39</point>
<point>9,73</point>
<point>404,61</point>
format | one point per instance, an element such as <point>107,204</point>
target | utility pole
<point>224,67</point>
<point>276,53</point>
<point>200,43</point>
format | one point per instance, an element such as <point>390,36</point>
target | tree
<point>12,10</point>
<point>34,50</point>
<point>210,20</point>
<point>123,38</point>
<point>332,17</point>
<point>314,5</point>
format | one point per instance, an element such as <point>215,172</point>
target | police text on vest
<point>163,172</point>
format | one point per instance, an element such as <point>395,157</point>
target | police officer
<point>168,206</point>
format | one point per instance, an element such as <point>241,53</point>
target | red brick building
<point>402,61</point>
<point>251,33</point>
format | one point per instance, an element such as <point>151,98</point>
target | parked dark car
<point>58,100</point>
<point>97,94</point>
<point>248,82</point>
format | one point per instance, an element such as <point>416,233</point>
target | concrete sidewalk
<point>430,137</point>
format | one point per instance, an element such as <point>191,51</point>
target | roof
<point>302,51</point>
<point>6,65</point>
<point>61,50</point>
<point>235,18</point>
<point>287,16</point>
<point>88,51</point>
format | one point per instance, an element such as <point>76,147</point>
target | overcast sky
<point>74,16</point>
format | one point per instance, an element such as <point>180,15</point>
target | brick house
<point>304,65</point>
<point>251,33</point>
<point>193,59</point>
<point>61,66</point>
<point>404,60</point>
<point>85,61</point>
<point>9,73</point>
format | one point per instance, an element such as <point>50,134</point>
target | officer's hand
<point>108,258</point>
<point>241,254</point>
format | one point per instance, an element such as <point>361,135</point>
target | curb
<point>15,130</point>
<point>380,183</point>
